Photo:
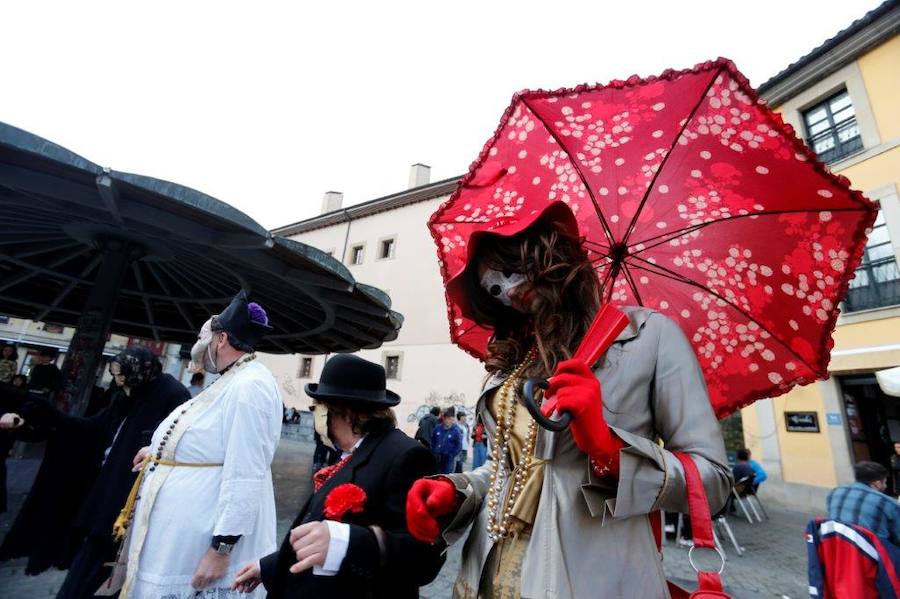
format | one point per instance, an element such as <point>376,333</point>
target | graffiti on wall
<point>443,401</point>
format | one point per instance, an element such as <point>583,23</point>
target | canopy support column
<point>86,347</point>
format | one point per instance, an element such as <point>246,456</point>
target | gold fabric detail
<point>526,505</point>
<point>502,575</point>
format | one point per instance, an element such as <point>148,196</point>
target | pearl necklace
<point>506,414</point>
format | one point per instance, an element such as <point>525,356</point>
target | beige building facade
<point>386,243</point>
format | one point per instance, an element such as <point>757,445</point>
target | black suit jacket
<point>385,466</point>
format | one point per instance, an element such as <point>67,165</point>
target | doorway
<point>873,420</point>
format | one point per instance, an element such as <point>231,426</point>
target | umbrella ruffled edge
<point>776,120</point>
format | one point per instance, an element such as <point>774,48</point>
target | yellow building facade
<point>843,99</point>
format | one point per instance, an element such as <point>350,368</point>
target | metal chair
<point>742,490</point>
<point>752,493</point>
<point>719,523</point>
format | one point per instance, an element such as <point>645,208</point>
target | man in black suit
<point>358,547</point>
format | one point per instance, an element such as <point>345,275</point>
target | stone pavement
<point>774,564</point>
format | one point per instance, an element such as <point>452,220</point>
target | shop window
<point>877,282</point>
<point>831,128</point>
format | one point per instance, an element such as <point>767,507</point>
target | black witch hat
<point>245,322</point>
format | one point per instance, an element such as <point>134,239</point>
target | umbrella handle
<point>528,399</point>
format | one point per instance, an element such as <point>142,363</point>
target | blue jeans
<point>479,454</point>
<point>446,463</point>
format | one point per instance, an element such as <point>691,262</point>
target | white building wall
<point>433,371</point>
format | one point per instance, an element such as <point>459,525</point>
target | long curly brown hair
<point>566,292</point>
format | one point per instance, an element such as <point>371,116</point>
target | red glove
<point>428,500</point>
<point>574,389</point>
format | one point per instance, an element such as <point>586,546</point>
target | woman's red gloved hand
<point>574,389</point>
<point>428,500</point>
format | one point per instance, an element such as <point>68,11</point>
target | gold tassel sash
<point>120,526</point>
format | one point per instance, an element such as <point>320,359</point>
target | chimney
<point>332,201</point>
<point>419,175</point>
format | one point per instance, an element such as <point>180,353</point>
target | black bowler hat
<point>244,322</point>
<point>350,379</point>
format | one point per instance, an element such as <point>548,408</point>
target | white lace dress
<point>239,429</point>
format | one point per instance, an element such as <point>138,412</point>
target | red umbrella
<point>696,200</point>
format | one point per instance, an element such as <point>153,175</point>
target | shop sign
<point>802,422</point>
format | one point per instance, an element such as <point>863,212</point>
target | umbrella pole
<point>86,347</point>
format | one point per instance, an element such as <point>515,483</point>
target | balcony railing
<point>836,142</point>
<point>877,285</point>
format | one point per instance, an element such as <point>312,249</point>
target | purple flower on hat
<point>257,313</point>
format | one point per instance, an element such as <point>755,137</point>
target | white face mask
<point>499,286</point>
<point>201,353</point>
<point>320,423</point>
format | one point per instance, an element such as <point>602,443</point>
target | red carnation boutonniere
<point>343,499</point>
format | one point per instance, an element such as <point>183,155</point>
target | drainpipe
<point>348,220</point>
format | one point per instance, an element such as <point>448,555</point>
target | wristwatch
<point>223,548</point>
<point>223,544</point>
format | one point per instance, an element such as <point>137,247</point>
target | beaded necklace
<point>506,412</point>
<point>245,359</point>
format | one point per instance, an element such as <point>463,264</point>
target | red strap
<point>709,583</point>
<point>698,506</point>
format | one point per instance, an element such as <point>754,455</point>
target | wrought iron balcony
<point>837,142</point>
<point>877,285</point>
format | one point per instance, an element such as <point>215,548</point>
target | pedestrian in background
<point>479,443</point>
<point>446,442</point>
<point>196,385</point>
<point>85,476</point>
<point>466,432</point>
<point>759,475</point>
<point>45,378</point>
<point>895,469</point>
<point>743,469</point>
<point>9,363</point>
<point>427,425</point>
<point>866,504</point>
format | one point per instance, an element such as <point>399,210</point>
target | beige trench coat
<point>591,540</point>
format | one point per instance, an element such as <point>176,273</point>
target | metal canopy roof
<point>59,214</point>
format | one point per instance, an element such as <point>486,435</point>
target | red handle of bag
<point>709,583</point>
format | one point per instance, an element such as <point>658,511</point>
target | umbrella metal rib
<point>587,188</point>
<point>668,155</point>
<point>670,274</point>
<point>671,235</point>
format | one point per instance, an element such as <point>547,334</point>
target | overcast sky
<point>268,105</point>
